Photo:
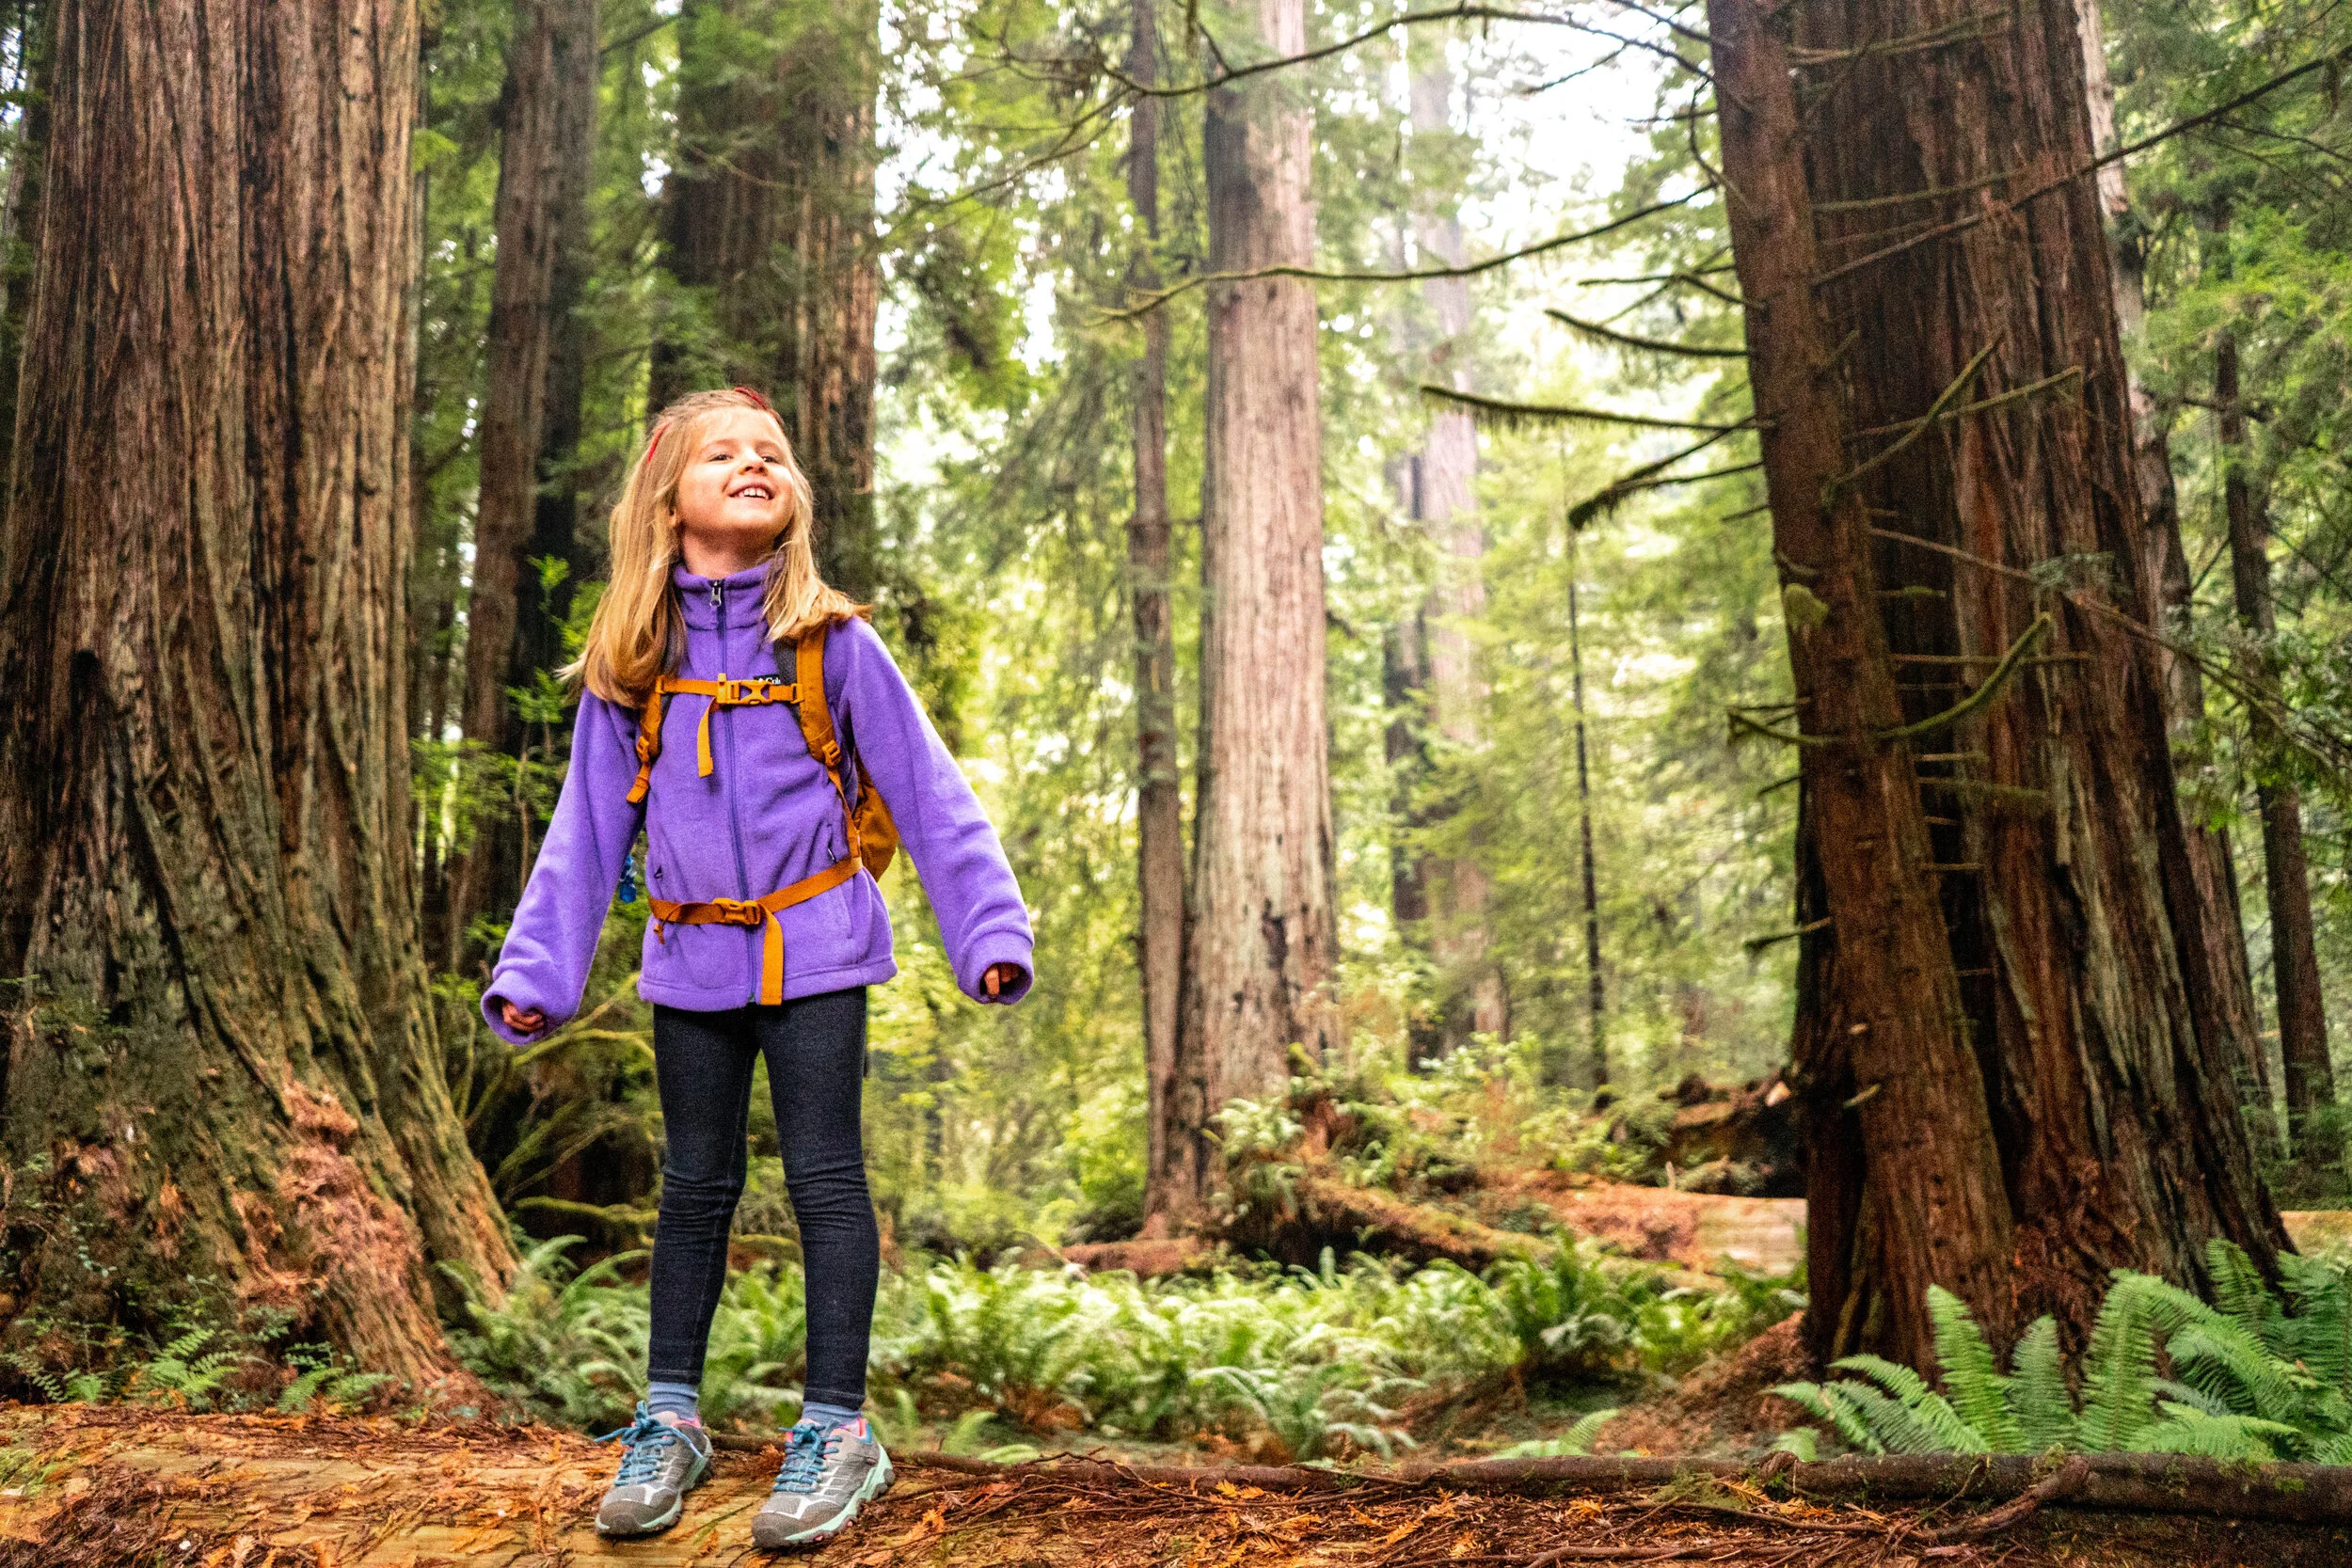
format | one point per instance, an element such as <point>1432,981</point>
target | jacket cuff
<point>1000,949</point>
<point>515,988</point>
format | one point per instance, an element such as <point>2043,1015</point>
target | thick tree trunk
<point>533,387</point>
<point>770,210</point>
<point>1263,950</point>
<point>2311,1078</point>
<point>1170,1179</point>
<point>1441,493</point>
<point>228,1052</point>
<point>2086,978</point>
<point>2165,556</point>
<point>1895,1054</point>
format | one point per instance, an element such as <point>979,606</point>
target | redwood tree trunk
<point>1927,1205</point>
<point>770,212</point>
<point>226,1052</point>
<point>1170,1175</point>
<point>532,389</point>
<point>2106,1036</point>
<point>1263,944</point>
<point>2164,557</point>
<point>2311,1078</point>
<point>1441,493</point>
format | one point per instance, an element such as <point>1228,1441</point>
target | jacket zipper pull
<point>717,592</point>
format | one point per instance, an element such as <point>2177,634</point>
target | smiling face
<point>735,492</point>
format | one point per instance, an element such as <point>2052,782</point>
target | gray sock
<point>682,1400</point>
<point>827,1417</point>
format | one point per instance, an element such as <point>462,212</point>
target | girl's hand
<point>523,1021</point>
<point>1001,978</point>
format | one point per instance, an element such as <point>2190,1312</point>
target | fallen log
<point>2122,1482</point>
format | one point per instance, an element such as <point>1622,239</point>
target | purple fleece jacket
<point>765,817</point>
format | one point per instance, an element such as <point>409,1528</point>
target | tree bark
<point>1170,1179</point>
<point>1263,944</point>
<point>2311,1078</point>
<point>227,1054</point>
<point>771,214</point>
<point>20,211</point>
<point>1441,495</point>
<point>1931,1188</point>
<point>1596,982</point>
<point>526,508</point>
<point>2101,1034</point>
<point>2165,556</point>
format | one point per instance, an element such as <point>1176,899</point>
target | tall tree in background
<point>1262,949</point>
<point>1170,1153</point>
<point>2310,1079</point>
<point>24,51</point>
<point>769,213</point>
<point>203,772</point>
<point>2071,989</point>
<point>531,407</point>
<point>1440,492</point>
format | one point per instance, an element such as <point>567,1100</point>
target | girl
<point>767,799</point>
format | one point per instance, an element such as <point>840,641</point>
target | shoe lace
<point>806,1448</point>
<point>646,1442</point>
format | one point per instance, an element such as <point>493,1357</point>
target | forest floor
<point>97,1486</point>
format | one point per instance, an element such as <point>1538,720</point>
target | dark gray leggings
<point>816,1051</point>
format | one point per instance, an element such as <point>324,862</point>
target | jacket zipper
<point>726,787</point>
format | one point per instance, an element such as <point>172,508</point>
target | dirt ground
<point>98,1486</point>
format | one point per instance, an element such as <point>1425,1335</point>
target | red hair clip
<point>655,439</point>
<point>755,398</point>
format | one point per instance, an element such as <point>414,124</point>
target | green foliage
<point>2255,1375</point>
<point>1578,1439</point>
<point>1308,1362</point>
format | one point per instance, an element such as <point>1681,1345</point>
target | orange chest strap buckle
<point>759,691</point>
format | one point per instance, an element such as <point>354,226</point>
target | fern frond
<point>2187,1430</point>
<point>1814,1400</point>
<point>2045,1411</point>
<point>1900,1427</point>
<point>1972,1381</point>
<point>1941,1424</point>
<point>2216,1352</point>
<point>2119,1371</point>
<point>2240,1292</point>
<point>2196,1398</point>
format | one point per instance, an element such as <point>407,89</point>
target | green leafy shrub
<point>1317,1361</point>
<point>2252,1376</point>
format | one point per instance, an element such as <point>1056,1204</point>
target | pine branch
<point>1651,345</point>
<point>1409,274</point>
<point>1511,415</point>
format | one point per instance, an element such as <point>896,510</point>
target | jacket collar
<point>743,589</point>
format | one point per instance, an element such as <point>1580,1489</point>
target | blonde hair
<point>638,633</point>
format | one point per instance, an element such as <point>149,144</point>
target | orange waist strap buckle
<point>754,911</point>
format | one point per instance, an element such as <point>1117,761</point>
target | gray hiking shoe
<point>828,1474</point>
<point>660,1464</point>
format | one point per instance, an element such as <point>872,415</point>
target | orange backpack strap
<point>648,743</point>
<point>722,692</point>
<point>873,836</point>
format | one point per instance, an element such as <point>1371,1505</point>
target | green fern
<point>1980,1394</point>
<point>1577,1440</point>
<point>2037,1391</point>
<point>2246,1376</point>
